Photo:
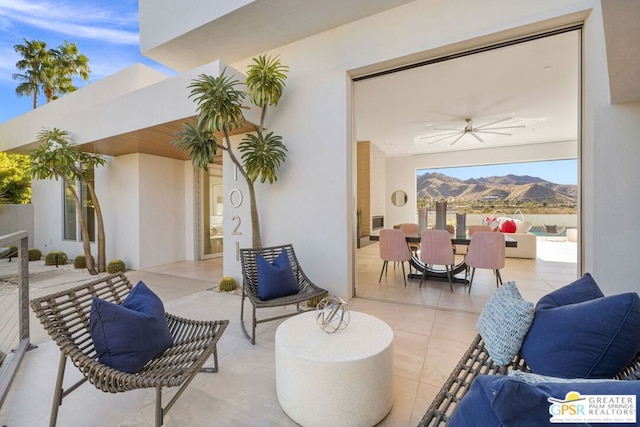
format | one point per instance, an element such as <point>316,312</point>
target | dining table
<point>435,273</point>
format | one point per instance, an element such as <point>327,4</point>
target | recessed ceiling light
<point>547,68</point>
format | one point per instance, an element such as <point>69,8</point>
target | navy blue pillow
<point>275,279</point>
<point>128,336</point>
<point>590,339</point>
<point>583,289</point>
<point>499,400</point>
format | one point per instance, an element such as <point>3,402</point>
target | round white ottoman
<point>344,378</point>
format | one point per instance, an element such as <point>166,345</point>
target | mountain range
<point>523,188</point>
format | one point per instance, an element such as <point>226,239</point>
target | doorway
<point>210,231</point>
<point>525,92</point>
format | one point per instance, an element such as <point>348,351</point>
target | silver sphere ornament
<point>332,314</point>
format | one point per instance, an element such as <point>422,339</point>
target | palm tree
<point>219,111</point>
<point>34,59</point>
<point>51,71</point>
<point>56,158</point>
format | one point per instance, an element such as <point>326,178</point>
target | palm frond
<point>262,155</point>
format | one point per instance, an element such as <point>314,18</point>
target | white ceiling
<point>535,83</point>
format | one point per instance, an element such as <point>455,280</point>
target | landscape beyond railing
<point>14,311</point>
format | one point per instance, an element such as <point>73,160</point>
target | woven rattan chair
<point>65,316</point>
<point>476,361</point>
<point>307,289</point>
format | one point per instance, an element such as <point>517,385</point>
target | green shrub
<point>313,302</point>
<point>50,258</point>
<point>34,254</point>
<point>81,262</point>
<point>13,251</point>
<point>115,266</point>
<point>227,284</point>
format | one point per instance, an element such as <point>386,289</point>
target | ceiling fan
<point>472,130</point>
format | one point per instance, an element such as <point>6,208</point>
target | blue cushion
<point>498,400</point>
<point>590,339</point>
<point>504,322</point>
<point>583,289</point>
<point>128,336</point>
<point>275,279</point>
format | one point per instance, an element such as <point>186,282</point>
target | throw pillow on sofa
<point>508,226</point>
<point>499,400</point>
<point>571,337</point>
<point>504,322</point>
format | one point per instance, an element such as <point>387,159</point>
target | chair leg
<point>57,395</point>
<point>384,264</point>
<point>498,278</point>
<point>404,276</point>
<point>424,275</point>
<point>159,414</point>
<point>473,272</point>
<point>449,277</point>
<point>252,337</point>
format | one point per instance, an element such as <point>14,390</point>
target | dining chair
<point>436,250</point>
<point>475,228</point>
<point>486,250</point>
<point>393,247</point>
<point>410,228</point>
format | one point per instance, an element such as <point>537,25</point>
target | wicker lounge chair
<point>307,289</point>
<point>474,362</point>
<point>65,316</point>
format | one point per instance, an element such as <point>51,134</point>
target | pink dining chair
<point>486,250</point>
<point>393,247</point>
<point>410,228</point>
<point>436,250</point>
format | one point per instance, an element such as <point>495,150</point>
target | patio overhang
<point>137,110</point>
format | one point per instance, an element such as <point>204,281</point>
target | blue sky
<point>105,31</point>
<point>557,171</point>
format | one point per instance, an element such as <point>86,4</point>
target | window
<point>71,226</point>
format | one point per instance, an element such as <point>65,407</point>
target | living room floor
<point>432,328</point>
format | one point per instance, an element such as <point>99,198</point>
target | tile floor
<point>432,328</point>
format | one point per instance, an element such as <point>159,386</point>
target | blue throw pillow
<point>590,339</point>
<point>275,279</point>
<point>504,322</point>
<point>498,400</point>
<point>128,336</point>
<point>583,289</point>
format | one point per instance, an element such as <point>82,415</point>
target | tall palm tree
<point>56,158</point>
<point>219,111</point>
<point>35,58</point>
<point>51,71</point>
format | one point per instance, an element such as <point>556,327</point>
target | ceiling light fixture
<point>471,130</point>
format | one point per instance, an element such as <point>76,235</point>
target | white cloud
<point>81,19</point>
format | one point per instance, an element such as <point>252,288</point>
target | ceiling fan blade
<point>506,127</point>
<point>458,138</point>
<point>440,134</point>
<point>473,134</point>
<point>493,133</point>
<point>492,123</point>
<point>459,130</point>
<point>445,137</point>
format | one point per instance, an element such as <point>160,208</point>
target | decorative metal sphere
<point>332,314</point>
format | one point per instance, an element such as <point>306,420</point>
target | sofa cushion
<point>590,339</point>
<point>128,336</point>
<point>275,280</point>
<point>499,400</point>
<point>522,226</point>
<point>504,322</point>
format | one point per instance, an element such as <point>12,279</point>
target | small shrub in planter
<point>313,302</point>
<point>115,266</point>
<point>227,284</point>
<point>50,258</point>
<point>13,252</point>
<point>34,254</point>
<point>81,262</point>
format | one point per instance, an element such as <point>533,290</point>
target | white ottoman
<point>344,378</point>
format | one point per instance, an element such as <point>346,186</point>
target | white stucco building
<point>150,193</point>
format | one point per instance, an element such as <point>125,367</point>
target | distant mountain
<point>508,188</point>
